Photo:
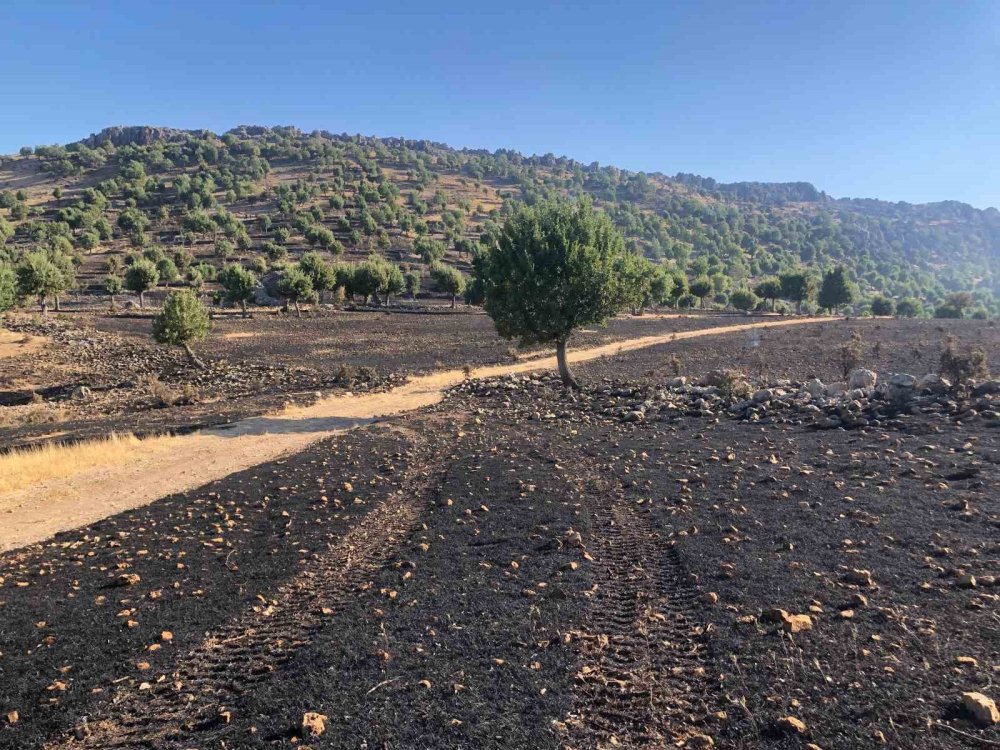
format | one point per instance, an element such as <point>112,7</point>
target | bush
<point>883,306</point>
<point>959,367</point>
<point>743,299</point>
<point>182,321</point>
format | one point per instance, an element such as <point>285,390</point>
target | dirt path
<point>163,466</point>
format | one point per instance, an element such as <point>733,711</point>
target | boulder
<point>678,382</point>
<point>988,388</point>
<point>835,389</point>
<point>901,388</point>
<point>81,393</point>
<point>982,709</point>
<point>933,383</point>
<point>815,388</point>
<point>862,378</point>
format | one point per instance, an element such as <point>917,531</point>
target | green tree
<point>449,280</point>
<point>140,277</point>
<point>411,282</point>
<point>8,287</point>
<point>701,287</point>
<point>883,306</point>
<point>836,289</point>
<point>743,299</point>
<point>182,321</point>
<point>239,284</point>
<point>38,276</point>
<point>322,274</point>
<point>552,270</point>
<point>954,305</point>
<point>661,287</point>
<point>113,286</point>
<point>429,250</point>
<point>768,289</point>
<point>909,307</point>
<point>295,287</point>
<point>167,270</point>
<point>797,287</point>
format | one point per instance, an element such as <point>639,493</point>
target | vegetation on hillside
<point>190,203</point>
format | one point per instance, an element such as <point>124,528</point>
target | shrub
<point>850,352</point>
<point>960,367</point>
<point>182,321</point>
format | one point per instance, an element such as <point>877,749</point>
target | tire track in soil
<point>236,657</point>
<point>641,682</point>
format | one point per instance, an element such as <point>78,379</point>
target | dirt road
<point>162,466</point>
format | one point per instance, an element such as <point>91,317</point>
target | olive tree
<point>449,280</point>
<point>182,321</point>
<point>42,277</point>
<point>113,286</point>
<point>295,287</point>
<point>8,287</point>
<point>140,277</point>
<point>239,284</point>
<point>554,268</point>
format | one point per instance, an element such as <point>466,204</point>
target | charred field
<point>520,566</point>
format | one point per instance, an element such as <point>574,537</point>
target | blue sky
<point>899,101</point>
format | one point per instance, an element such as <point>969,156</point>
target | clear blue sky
<point>899,101</point>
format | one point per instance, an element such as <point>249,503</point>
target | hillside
<point>278,192</point>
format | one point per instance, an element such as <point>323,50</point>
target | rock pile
<point>864,400</point>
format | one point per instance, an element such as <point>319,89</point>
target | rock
<point>678,382</point>
<point>634,416</point>
<point>13,717</point>
<point>901,388</point>
<point>932,383</point>
<point>699,742</point>
<point>967,581</point>
<point>815,388</point>
<point>836,389</point>
<point>791,725</point>
<point>862,379</point>
<point>989,388</point>
<point>81,393</point>
<point>763,396</point>
<point>796,623</point>
<point>859,578</point>
<point>313,724</point>
<point>127,579</point>
<point>981,708</point>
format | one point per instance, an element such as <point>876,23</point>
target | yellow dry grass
<point>33,466</point>
<point>16,344</point>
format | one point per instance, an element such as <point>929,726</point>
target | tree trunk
<point>298,310</point>
<point>798,307</point>
<point>453,302</point>
<point>44,305</point>
<point>193,358</point>
<point>243,304</point>
<point>112,302</point>
<point>564,372</point>
<point>57,303</point>
<point>142,300</point>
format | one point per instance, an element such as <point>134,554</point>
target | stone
<point>678,382</point>
<point>791,725</point>
<point>313,724</point>
<point>862,379</point>
<point>763,396</point>
<point>982,709</point>
<point>128,579</point>
<point>901,388</point>
<point>932,383</point>
<point>699,742</point>
<point>859,578</point>
<point>815,387</point>
<point>81,393</point>
<point>836,389</point>
<point>989,388</point>
<point>797,623</point>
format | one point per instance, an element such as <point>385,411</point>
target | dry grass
<point>31,466</point>
<point>17,344</point>
<point>37,412</point>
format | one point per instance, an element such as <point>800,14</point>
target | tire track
<point>641,682</point>
<point>238,656</point>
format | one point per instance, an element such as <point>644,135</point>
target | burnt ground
<point>802,352</point>
<point>255,365</point>
<point>488,579</point>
